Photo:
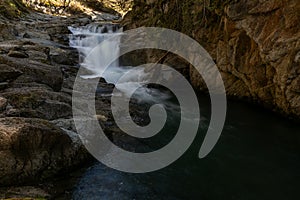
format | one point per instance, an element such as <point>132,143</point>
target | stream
<point>256,157</point>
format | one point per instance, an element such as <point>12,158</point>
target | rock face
<point>255,44</point>
<point>34,149</point>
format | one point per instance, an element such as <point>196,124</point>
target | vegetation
<point>80,6</point>
<point>11,8</point>
<point>178,14</point>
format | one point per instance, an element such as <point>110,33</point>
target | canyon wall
<point>255,44</point>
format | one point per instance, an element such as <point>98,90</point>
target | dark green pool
<point>257,157</point>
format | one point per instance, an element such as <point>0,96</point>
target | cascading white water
<point>86,39</point>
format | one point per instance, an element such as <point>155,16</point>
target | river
<point>256,157</point>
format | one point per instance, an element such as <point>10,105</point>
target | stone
<point>24,191</point>
<point>33,150</point>
<point>67,124</point>
<point>255,45</point>
<point>40,35</point>
<point>295,86</point>
<point>64,57</point>
<point>101,118</point>
<point>3,104</point>
<point>3,85</point>
<point>297,58</point>
<point>35,71</point>
<point>39,103</point>
<point>8,73</point>
<point>7,32</point>
<point>18,54</point>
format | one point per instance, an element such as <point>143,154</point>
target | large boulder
<point>38,102</point>
<point>35,71</point>
<point>34,149</point>
<point>8,73</point>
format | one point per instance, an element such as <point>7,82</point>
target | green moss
<point>12,8</point>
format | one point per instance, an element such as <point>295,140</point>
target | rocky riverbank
<point>37,70</point>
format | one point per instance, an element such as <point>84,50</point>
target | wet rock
<point>18,54</point>
<point>39,103</point>
<point>59,33</point>
<point>34,71</point>
<point>64,57</point>
<point>8,73</point>
<point>3,85</point>
<point>40,35</point>
<point>36,52</point>
<point>3,104</point>
<point>7,32</point>
<point>67,124</point>
<point>25,191</point>
<point>29,49</point>
<point>34,149</point>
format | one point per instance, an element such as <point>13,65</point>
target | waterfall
<point>86,38</point>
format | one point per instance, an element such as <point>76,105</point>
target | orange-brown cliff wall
<point>256,44</point>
